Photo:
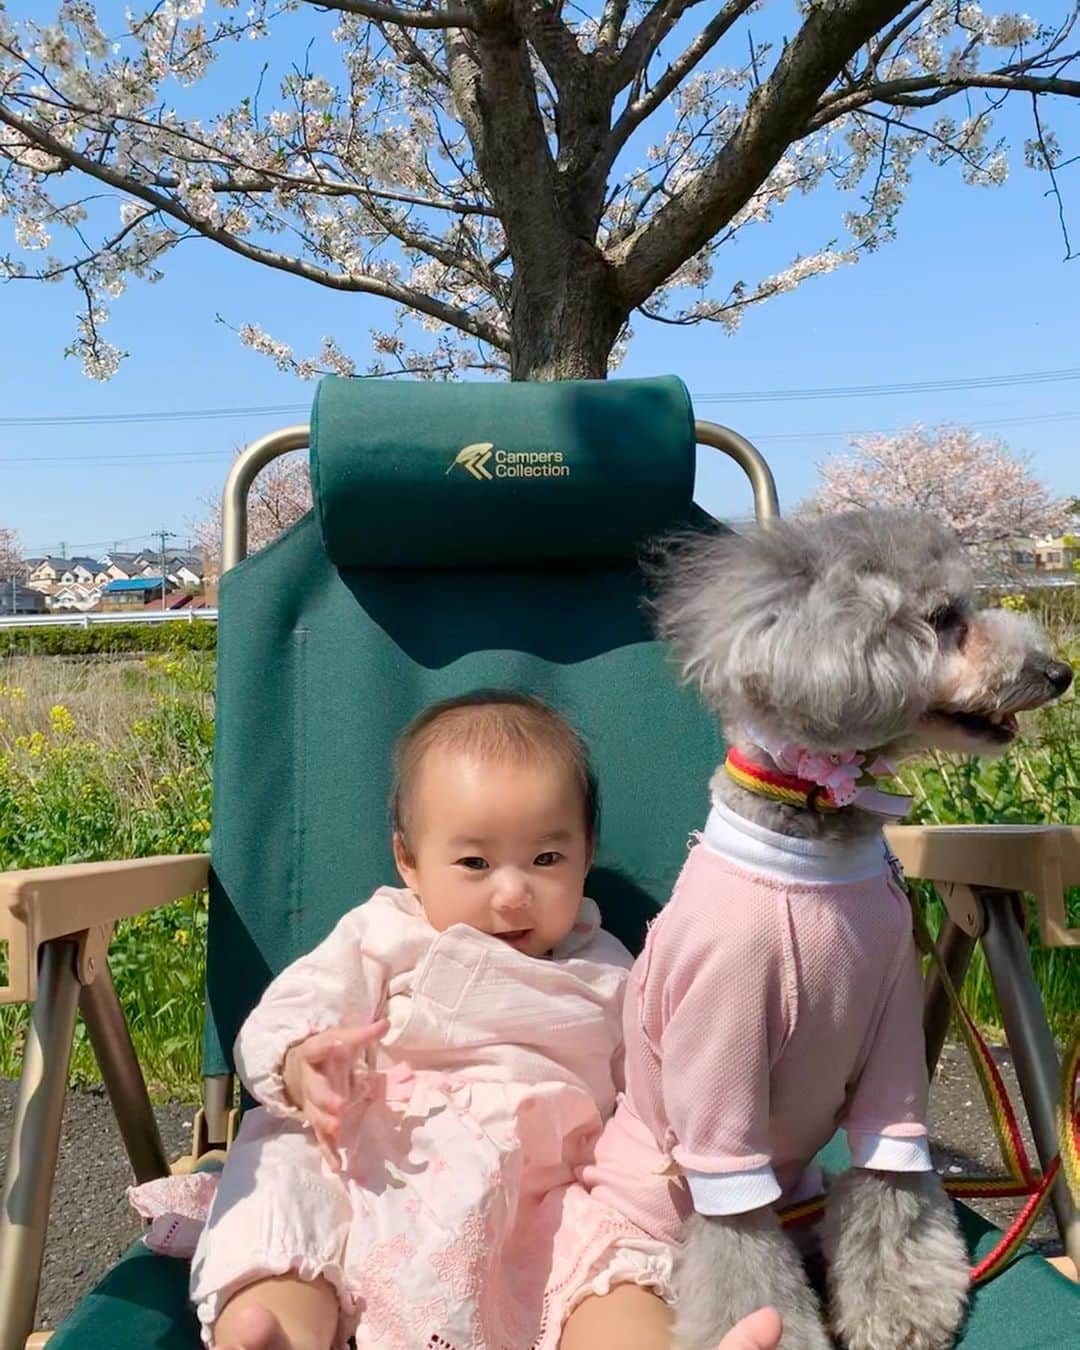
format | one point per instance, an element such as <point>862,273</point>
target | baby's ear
<point>404,861</point>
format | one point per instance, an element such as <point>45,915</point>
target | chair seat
<point>142,1302</point>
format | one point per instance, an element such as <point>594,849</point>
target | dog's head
<point>854,631</point>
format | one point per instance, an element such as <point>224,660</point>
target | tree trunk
<point>563,324</point>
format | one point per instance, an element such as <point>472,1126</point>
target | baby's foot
<point>253,1329</point>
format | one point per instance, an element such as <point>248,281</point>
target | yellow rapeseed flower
<point>61,720</point>
<point>1015,602</point>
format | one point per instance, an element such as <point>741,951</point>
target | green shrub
<point>199,635</point>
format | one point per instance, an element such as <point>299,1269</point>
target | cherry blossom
<point>513,181</point>
<point>984,492</point>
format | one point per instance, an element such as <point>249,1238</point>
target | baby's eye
<point>548,859</point>
<point>473,864</point>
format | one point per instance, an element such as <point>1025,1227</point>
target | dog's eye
<point>949,618</point>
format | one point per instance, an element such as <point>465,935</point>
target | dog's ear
<point>720,597</point>
<point>851,665</point>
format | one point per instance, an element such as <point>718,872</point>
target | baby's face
<point>500,847</point>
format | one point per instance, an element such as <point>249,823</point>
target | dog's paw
<point>898,1268</point>
<point>731,1266</point>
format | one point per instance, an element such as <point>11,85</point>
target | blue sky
<point>974,286</point>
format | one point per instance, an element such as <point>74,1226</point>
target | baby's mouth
<point>514,936</point>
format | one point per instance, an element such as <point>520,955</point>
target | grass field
<point>110,757</point>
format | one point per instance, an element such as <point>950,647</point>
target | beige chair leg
<point>122,1076</point>
<point>35,1141</point>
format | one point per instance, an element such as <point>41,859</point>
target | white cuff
<point>889,1152</point>
<point>733,1192</point>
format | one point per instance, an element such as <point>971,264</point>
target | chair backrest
<point>463,536</point>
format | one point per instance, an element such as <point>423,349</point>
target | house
<point>124,566</point>
<point>1021,554</point>
<point>79,595</point>
<point>133,592</point>
<point>17,598</point>
<point>184,570</point>
<point>46,574</point>
<point>1057,555</point>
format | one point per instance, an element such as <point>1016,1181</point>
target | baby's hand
<point>320,1079</point>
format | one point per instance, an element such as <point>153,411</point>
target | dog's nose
<point>1059,673</point>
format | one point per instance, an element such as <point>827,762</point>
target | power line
<point>117,459</point>
<point>1032,377</point>
<point>110,543</point>
<point>878,390</point>
<point>176,415</point>
<point>892,431</point>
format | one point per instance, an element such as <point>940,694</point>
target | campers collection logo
<point>478,459</point>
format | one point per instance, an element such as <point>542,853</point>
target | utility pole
<point>162,536</point>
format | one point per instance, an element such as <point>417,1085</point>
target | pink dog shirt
<point>776,999</point>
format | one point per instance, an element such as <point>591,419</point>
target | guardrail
<point>92,620</point>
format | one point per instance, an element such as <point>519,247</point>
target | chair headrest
<point>454,475</point>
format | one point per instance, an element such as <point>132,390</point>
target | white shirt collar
<point>756,849</point>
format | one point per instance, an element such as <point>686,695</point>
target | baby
<point>433,1077</point>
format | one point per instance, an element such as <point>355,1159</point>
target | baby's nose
<point>1059,673</point>
<point>512,891</point>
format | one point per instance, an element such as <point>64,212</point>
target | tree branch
<point>611,22</point>
<point>908,93</point>
<point>641,46</point>
<point>774,117</point>
<point>554,42</point>
<point>450,314</point>
<point>639,109</point>
<point>1055,191</point>
<point>407,18</point>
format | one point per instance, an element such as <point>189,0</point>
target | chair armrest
<point>1040,859</point>
<point>44,903</point>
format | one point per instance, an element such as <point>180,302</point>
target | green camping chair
<point>461,536</point>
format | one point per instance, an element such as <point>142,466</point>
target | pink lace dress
<point>457,1221</point>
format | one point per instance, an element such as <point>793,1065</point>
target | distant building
<point>184,570</point>
<point>78,595</point>
<point>1057,555</point>
<point>17,598</point>
<point>133,592</point>
<point>47,574</point>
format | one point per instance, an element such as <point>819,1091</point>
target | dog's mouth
<point>997,728</point>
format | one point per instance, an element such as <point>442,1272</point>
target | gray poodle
<point>857,632</point>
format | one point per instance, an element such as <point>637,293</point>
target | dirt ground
<point>91,1223</point>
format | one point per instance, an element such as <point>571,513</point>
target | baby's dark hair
<point>495,724</point>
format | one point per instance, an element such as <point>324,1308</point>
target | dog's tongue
<point>1010,723</point>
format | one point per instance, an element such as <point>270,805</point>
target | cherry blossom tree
<point>984,492</point>
<point>516,178</point>
<point>279,496</point>
<point>11,563</point>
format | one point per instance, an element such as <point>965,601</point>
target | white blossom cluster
<point>355,167</point>
<point>985,493</point>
